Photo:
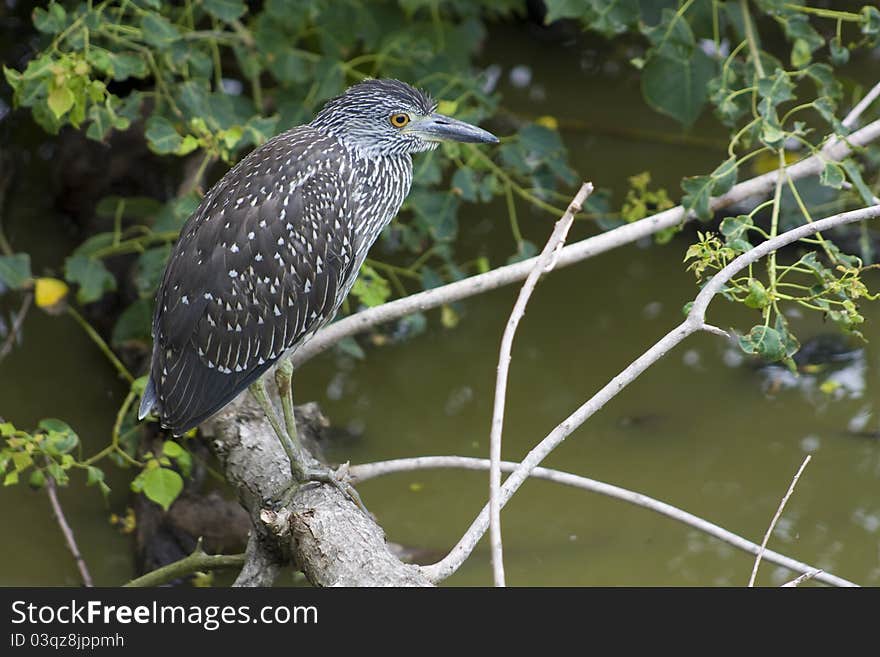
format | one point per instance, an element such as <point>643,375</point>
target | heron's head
<point>384,117</point>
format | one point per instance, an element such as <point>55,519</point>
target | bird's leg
<point>304,471</point>
<point>293,450</point>
<point>284,381</point>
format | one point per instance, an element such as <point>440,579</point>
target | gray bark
<point>321,530</point>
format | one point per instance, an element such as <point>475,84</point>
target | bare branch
<point>321,530</point>
<point>366,471</point>
<point>544,263</point>
<point>69,538</point>
<point>199,560</point>
<point>695,321</point>
<point>576,252</point>
<point>800,579</point>
<point>775,520</point>
<point>16,326</point>
<point>861,106</point>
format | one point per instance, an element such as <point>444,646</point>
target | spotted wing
<point>266,261</point>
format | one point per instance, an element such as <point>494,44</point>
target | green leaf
<point>15,270</point>
<point>825,80</point>
<point>158,31</point>
<point>464,184</point>
<point>826,108</point>
<point>176,212</point>
<point>161,485</point>
<point>60,437</point>
<point>149,268</point>
<point>757,296</point>
<point>871,20</point>
<point>225,10</point>
<point>789,340</point>
<point>832,175</point>
<point>772,134</point>
<point>91,275</point>
<point>839,52</point>
<point>370,287</point>
<point>259,129</point>
<point>678,88</point>
<point>187,146</point>
<point>736,227</point>
<point>10,479</point>
<point>331,79</point>
<point>172,449</point>
<point>21,461</point>
<point>797,28</point>
<point>37,479</point>
<point>60,100</point>
<point>855,175</point>
<point>557,9</point>
<point>724,176</point>
<point>739,245</point>
<point>774,89</point>
<point>698,192</point>
<point>161,136</point>
<point>93,475</point>
<point>134,324</point>
<point>671,37</point>
<point>50,21</point>
<point>801,54</point>
<point>765,342</point>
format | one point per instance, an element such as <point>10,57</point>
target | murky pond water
<point>701,430</point>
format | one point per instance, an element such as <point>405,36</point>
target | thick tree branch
<point>366,471</point>
<point>321,530</point>
<point>262,561</point>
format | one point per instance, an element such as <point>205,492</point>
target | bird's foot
<point>313,475</point>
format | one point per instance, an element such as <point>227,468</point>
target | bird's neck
<point>381,184</point>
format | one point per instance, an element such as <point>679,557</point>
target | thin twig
<point>544,263</point>
<point>16,326</point>
<point>199,560</point>
<point>102,345</point>
<point>694,322</point>
<point>861,106</point>
<point>69,538</point>
<point>365,471</point>
<point>776,519</point>
<point>800,579</point>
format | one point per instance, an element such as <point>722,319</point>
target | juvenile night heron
<point>275,246</point>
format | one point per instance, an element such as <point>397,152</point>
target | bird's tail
<point>149,399</point>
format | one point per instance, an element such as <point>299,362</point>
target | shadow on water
<point>702,429</point>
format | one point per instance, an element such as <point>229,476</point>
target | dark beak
<point>438,127</point>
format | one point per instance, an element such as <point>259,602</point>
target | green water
<point>697,430</point>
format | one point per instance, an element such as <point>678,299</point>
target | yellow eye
<point>399,120</point>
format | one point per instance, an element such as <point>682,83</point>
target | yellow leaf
<point>49,292</point>
<point>447,107</point>
<point>448,317</point>
<point>60,100</point>
<point>548,122</point>
<point>767,161</point>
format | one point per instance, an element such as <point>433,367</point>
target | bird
<point>276,244</point>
